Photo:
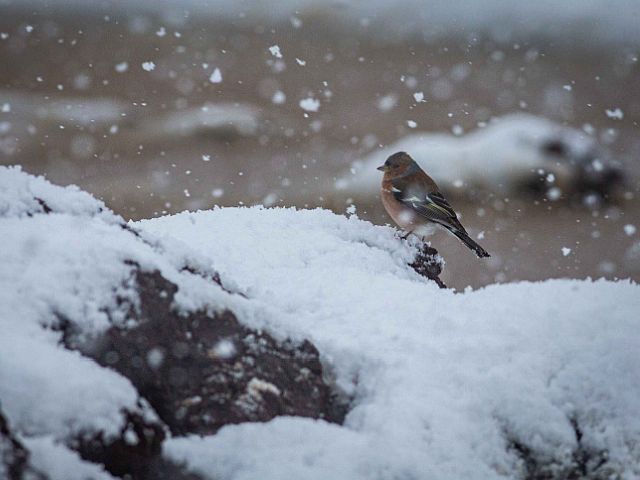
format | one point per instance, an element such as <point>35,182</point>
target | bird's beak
<point>382,168</point>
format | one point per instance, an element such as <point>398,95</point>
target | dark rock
<point>45,207</point>
<point>428,263</point>
<point>203,371</point>
<point>137,445</point>
<point>199,371</point>
<point>597,173</point>
<point>14,457</point>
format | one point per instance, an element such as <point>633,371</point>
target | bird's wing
<point>430,205</point>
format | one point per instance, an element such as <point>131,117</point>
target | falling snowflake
<point>123,67</point>
<point>310,104</point>
<point>616,114</point>
<point>629,229</point>
<point>275,51</point>
<point>279,97</point>
<point>216,76</point>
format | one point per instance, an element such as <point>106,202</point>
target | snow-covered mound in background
<point>212,119</point>
<point>514,152</point>
<point>526,379</point>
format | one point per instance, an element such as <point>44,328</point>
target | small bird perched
<point>413,200</point>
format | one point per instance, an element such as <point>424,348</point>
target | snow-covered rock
<point>497,383</point>
<point>514,153</point>
<point>534,380</point>
<point>78,284</point>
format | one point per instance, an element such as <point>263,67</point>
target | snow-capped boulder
<point>513,154</point>
<point>242,343</point>
<point>113,338</point>
<point>201,371</point>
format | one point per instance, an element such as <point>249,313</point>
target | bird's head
<point>399,163</point>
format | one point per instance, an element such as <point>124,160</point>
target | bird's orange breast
<point>403,216</point>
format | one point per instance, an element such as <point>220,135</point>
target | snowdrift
<point>242,343</point>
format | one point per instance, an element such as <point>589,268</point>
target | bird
<point>414,202</point>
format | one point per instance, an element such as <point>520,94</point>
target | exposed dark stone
<point>429,264</point>
<point>198,371</point>
<point>597,173</point>
<point>202,371</point>
<point>14,457</point>
<point>138,443</point>
<point>45,208</point>
<point>555,146</point>
<point>161,469</point>
<point>585,464</point>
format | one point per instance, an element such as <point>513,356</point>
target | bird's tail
<point>464,238</point>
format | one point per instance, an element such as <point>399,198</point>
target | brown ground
<point>293,157</point>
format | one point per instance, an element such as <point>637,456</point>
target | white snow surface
<point>496,157</point>
<point>440,381</point>
<point>59,462</point>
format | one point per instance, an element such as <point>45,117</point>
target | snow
<point>279,97</point>
<point>80,395</point>
<point>216,76</point>
<point>275,51</point>
<point>211,118</point>
<point>18,192</point>
<point>497,157</point>
<point>629,229</point>
<point>439,380</point>
<point>387,102</point>
<point>566,251</point>
<point>74,110</point>
<point>148,66</point>
<point>47,455</point>
<point>310,104</point>
<point>615,113</point>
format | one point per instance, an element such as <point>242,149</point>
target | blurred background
<point>526,114</point>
